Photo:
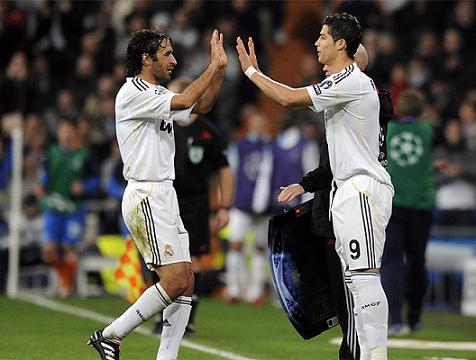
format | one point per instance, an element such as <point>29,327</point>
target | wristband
<point>250,71</point>
<point>224,207</point>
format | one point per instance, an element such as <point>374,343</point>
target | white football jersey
<point>145,131</point>
<point>351,109</point>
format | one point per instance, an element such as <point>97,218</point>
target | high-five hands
<point>217,51</point>
<point>247,59</point>
<point>290,192</point>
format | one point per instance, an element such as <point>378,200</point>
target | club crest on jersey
<point>326,84</point>
<point>165,126</point>
<point>168,250</point>
<point>195,154</point>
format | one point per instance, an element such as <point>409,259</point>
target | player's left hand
<point>290,192</point>
<point>245,60</point>
<point>223,56</point>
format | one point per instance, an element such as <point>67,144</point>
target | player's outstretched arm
<point>282,94</point>
<point>197,88</point>
<point>207,100</point>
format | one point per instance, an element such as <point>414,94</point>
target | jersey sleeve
<point>332,92</point>
<point>154,103</point>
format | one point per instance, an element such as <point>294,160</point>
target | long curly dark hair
<point>143,42</point>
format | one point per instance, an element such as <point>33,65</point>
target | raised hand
<point>290,192</point>
<point>223,56</point>
<point>215,51</point>
<point>251,48</point>
<point>245,60</point>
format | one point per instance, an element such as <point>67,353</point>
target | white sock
<point>234,267</point>
<point>359,326</point>
<point>379,353</point>
<point>175,319</point>
<point>257,276</point>
<point>373,309</point>
<point>151,302</point>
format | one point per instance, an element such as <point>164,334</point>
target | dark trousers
<point>403,272</point>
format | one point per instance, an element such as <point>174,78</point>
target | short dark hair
<point>410,103</point>
<point>345,26</point>
<point>143,42</point>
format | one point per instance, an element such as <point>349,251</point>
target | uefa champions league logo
<point>406,149</point>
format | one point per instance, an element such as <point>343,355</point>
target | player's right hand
<point>290,192</point>
<point>251,48</point>
<point>245,60</point>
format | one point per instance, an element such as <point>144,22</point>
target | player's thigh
<point>240,223</point>
<point>151,214</point>
<point>74,227</point>
<point>53,225</point>
<point>360,213</point>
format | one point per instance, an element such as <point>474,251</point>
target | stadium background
<point>64,59</point>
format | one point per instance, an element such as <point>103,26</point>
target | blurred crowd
<point>62,60</point>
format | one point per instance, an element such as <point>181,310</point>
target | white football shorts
<point>151,213</point>
<point>241,222</point>
<point>360,209</point>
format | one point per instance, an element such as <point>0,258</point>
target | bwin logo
<point>165,126</point>
<point>372,304</point>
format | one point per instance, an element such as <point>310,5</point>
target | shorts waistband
<point>161,182</point>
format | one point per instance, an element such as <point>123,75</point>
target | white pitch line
<point>425,344</point>
<point>91,315</point>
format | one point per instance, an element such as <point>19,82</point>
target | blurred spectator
<point>5,162</point>
<point>64,182</point>
<point>31,224</point>
<point>43,84</point>
<point>65,107</point>
<point>83,80</point>
<point>245,157</point>
<point>467,116</point>
<point>403,272</point>
<point>292,157</point>
<point>399,82</point>
<point>456,177</point>
<point>418,74</point>
<point>16,90</point>
<point>35,140</point>
<point>464,20</point>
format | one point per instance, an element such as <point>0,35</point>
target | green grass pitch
<point>31,332</point>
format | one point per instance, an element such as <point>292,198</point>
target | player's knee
<point>235,245</point>
<point>176,279</point>
<point>50,253</point>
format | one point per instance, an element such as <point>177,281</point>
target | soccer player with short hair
<point>145,111</point>
<point>361,198</point>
